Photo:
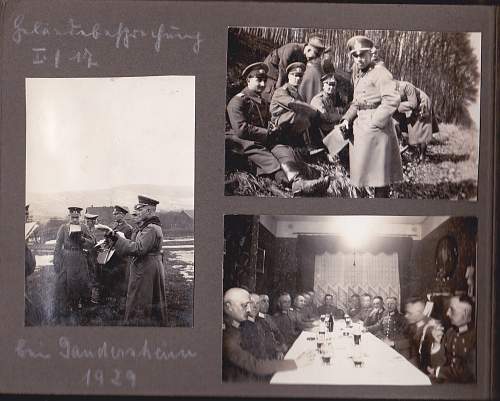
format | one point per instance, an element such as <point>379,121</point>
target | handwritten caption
<point>121,36</point>
<point>105,351</point>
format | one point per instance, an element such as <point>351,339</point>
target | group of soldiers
<point>255,342</point>
<point>290,111</point>
<point>111,275</point>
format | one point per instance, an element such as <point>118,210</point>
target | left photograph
<point>109,223</point>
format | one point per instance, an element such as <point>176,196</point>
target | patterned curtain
<point>344,274</point>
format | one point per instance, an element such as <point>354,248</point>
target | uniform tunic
<point>392,325</point>
<point>311,84</point>
<point>288,326</point>
<point>240,365</point>
<point>292,114</point>
<point>330,112</point>
<point>277,61</point>
<point>72,269</point>
<point>146,295</point>
<point>373,318</point>
<point>456,358</point>
<point>415,113</point>
<point>374,150</point>
<point>330,309</point>
<point>248,114</point>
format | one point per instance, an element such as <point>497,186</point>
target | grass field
<point>449,172</point>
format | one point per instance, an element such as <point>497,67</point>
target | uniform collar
<point>252,94</point>
<point>262,315</point>
<point>462,329</point>
<point>420,323</point>
<point>251,319</point>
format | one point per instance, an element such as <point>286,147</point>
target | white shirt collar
<point>263,316</point>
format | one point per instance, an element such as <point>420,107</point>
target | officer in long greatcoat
<point>146,295</point>
<point>279,59</point>
<point>72,290</point>
<point>374,155</point>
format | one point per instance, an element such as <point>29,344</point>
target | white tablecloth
<point>382,365</point>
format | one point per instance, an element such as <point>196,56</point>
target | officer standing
<point>146,295</point>
<point>72,290</point>
<point>279,60</point>
<point>374,155</point>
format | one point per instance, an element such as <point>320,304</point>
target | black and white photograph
<point>352,113</point>
<point>110,201</point>
<point>350,300</point>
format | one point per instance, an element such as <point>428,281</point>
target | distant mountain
<point>47,205</point>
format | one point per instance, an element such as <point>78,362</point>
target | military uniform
<point>311,82</point>
<point>416,342</point>
<point>373,318</point>
<point>248,114</point>
<point>292,115</point>
<point>272,332</point>
<point>374,150</point>
<point>330,309</point>
<point>330,111</point>
<point>288,326</point>
<point>71,265</point>
<point>392,325</point>
<point>278,61</point>
<point>146,295</point>
<point>240,365</point>
<point>415,114</point>
<point>456,358</point>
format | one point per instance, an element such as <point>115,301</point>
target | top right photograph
<point>315,112</point>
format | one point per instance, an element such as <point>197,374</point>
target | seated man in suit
<point>239,364</point>
<point>330,307</point>
<point>453,355</point>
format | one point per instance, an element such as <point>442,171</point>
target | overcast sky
<point>95,133</point>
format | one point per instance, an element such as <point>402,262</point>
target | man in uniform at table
<point>241,365</point>
<point>392,326</point>
<point>453,356</point>
<point>146,295</point>
<point>330,307</point>
<point>286,319</point>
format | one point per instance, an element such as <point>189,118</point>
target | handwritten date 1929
<point>115,377</point>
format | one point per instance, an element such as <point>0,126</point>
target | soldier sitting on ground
<point>249,115</point>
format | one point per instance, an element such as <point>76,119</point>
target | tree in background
<point>442,64</point>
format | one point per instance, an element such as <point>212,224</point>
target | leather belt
<point>367,106</point>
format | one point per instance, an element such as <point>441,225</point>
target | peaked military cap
<point>317,42</point>
<point>75,209</point>
<point>258,70</point>
<point>121,209</point>
<point>359,43</point>
<point>91,216</point>
<point>144,200</point>
<point>296,67</point>
<point>328,77</point>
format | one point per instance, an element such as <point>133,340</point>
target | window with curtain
<point>344,274</point>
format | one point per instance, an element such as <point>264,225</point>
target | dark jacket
<point>146,295</point>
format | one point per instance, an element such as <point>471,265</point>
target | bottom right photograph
<point>349,300</point>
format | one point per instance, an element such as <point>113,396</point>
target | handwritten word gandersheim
<point>122,35</point>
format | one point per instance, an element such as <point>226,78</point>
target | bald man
<point>453,356</point>
<point>241,365</point>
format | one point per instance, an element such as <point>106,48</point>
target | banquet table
<point>382,365</point>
